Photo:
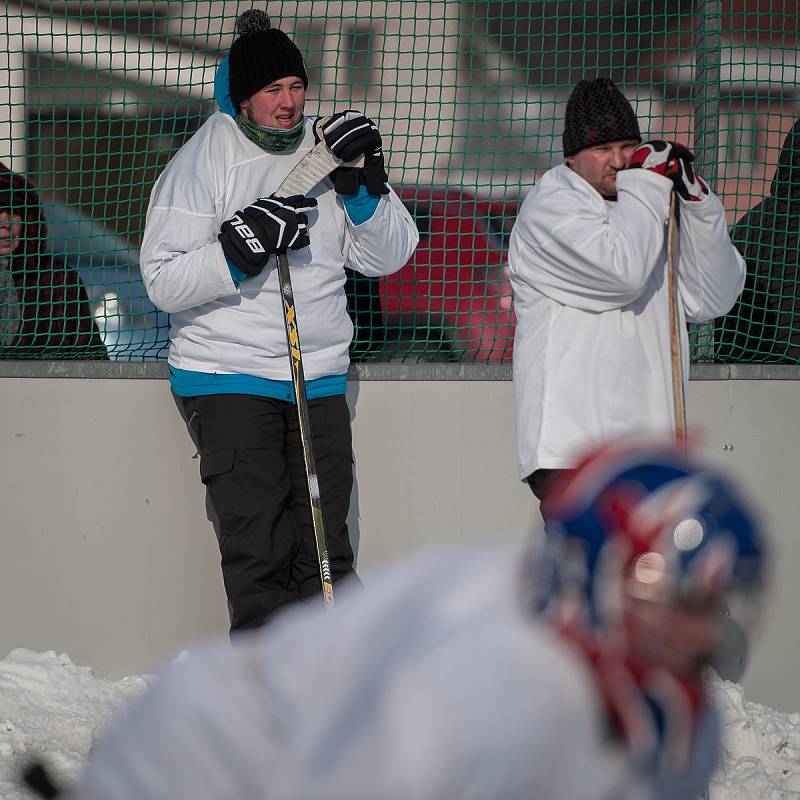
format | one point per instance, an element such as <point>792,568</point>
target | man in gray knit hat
<point>229,366</point>
<point>588,259</point>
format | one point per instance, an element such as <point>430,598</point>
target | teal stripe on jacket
<point>189,383</point>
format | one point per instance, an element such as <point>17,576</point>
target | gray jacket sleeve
<point>182,262</point>
<point>385,242</point>
<point>711,271</point>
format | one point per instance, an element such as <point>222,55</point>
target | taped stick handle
<point>676,356</point>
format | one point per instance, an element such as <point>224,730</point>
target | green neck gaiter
<point>273,140</point>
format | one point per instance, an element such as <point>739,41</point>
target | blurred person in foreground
<point>214,225</point>
<point>44,311</point>
<point>588,260</point>
<point>573,669</point>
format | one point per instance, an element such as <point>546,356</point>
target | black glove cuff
<point>374,178</point>
<point>346,180</point>
<point>251,264</point>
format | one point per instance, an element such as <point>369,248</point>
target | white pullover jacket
<point>592,346</point>
<point>219,328</point>
<point>436,682</point>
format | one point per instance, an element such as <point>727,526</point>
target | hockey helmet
<point>647,519</point>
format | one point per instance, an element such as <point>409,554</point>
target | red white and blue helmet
<point>651,516</point>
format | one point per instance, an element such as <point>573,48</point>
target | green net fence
<point>96,97</point>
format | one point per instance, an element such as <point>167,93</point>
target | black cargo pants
<point>541,483</point>
<point>251,462</point>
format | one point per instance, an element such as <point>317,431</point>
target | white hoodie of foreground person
<point>435,682</point>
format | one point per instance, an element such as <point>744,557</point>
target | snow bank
<point>761,750</point>
<point>52,709</point>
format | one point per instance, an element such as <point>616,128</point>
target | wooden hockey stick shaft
<point>678,394</point>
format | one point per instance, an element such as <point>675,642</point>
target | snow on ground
<point>761,750</point>
<point>52,709</point>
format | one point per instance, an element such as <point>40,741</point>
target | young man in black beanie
<point>588,259</point>
<point>208,258</point>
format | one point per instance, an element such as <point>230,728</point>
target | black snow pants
<point>251,462</point>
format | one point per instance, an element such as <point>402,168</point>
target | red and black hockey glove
<point>673,161</point>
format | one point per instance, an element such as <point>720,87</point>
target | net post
<point>705,96</point>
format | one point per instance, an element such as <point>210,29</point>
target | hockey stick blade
<point>312,168</point>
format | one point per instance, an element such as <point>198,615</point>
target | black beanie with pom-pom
<point>261,55</point>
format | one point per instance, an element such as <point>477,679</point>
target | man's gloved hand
<point>689,185</point>
<point>673,161</point>
<point>348,135</point>
<point>268,225</point>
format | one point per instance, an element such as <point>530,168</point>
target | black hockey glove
<point>269,225</point>
<point>348,135</point>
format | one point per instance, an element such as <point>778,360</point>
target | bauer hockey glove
<point>673,161</point>
<point>348,135</point>
<point>268,225</point>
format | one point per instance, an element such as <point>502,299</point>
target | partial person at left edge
<point>213,227</point>
<point>44,311</point>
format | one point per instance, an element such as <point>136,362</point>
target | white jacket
<point>217,327</point>
<point>592,347</point>
<point>434,682</point>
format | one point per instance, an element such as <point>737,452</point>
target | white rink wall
<point>107,553</point>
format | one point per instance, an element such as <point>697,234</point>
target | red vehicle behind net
<point>452,301</point>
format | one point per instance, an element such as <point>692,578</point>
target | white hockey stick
<point>307,173</point>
